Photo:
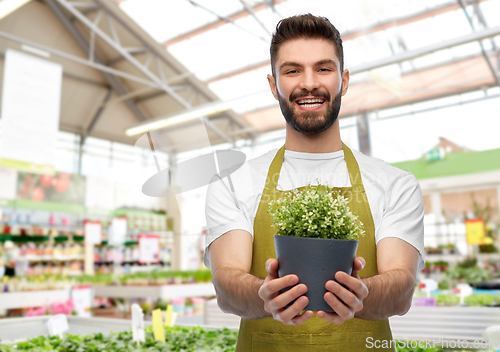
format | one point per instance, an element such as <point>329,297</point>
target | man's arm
<point>241,293</point>
<point>236,288</point>
<point>391,291</point>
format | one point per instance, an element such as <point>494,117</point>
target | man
<point>308,80</point>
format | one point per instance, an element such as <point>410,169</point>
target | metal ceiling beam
<point>114,83</point>
<point>252,13</point>
<point>483,51</point>
<point>76,77</point>
<point>380,26</point>
<point>233,17</point>
<point>482,19</point>
<point>239,71</point>
<point>159,94</point>
<point>413,54</point>
<point>400,21</point>
<point>152,47</point>
<point>85,62</point>
<point>110,41</point>
<point>227,20</point>
<point>96,117</point>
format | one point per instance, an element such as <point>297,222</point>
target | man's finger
<point>332,318</point>
<point>358,265</point>
<point>302,318</point>
<point>285,298</point>
<point>274,286</point>
<point>272,267</point>
<point>286,316</point>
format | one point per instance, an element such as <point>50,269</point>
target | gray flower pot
<point>314,261</point>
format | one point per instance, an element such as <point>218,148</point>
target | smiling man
<point>308,80</point>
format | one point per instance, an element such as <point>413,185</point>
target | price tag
<point>149,249</point>
<point>158,331</point>
<point>58,325</point>
<point>169,315</point>
<point>82,300</point>
<point>428,286</point>
<point>118,230</point>
<point>93,232</point>
<point>463,290</point>
<point>137,323</point>
<point>475,232</point>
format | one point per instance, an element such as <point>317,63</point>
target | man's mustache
<point>313,93</point>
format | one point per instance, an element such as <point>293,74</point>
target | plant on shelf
<point>185,338</point>
<point>447,299</point>
<point>492,228</point>
<point>481,300</point>
<point>316,236</point>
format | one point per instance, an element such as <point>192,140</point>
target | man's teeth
<point>310,103</point>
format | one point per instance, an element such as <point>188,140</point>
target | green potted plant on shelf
<point>317,235</point>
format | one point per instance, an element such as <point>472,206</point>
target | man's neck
<point>324,142</point>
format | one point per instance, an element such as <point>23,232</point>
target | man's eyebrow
<point>290,63</point>
<point>326,61</point>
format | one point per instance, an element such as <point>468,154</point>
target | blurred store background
<point>83,81</point>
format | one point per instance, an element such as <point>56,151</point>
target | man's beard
<point>310,122</point>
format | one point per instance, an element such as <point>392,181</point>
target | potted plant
<point>316,236</point>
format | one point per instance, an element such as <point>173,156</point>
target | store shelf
<point>156,292</point>
<point>15,329</point>
<point>214,316</point>
<point>425,323</point>
<point>49,258</point>
<point>447,323</point>
<point>12,300</point>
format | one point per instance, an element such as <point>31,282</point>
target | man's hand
<point>274,302</point>
<point>345,302</point>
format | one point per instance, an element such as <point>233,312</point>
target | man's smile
<point>310,103</point>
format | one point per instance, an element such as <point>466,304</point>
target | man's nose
<point>309,81</point>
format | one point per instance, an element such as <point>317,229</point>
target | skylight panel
<point>253,85</point>
<point>456,25</point>
<point>224,8</point>
<point>468,49</point>
<point>161,18</point>
<point>418,34</point>
<point>434,103</point>
<point>490,10</point>
<point>432,59</point>
<point>250,24</point>
<point>367,48</point>
<point>219,51</point>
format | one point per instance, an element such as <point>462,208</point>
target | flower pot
<point>314,261</point>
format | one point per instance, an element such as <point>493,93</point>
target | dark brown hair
<point>305,26</point>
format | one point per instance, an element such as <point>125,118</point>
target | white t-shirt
<point>394,195</point>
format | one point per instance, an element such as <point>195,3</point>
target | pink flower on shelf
<point>35,312</point>
<point>62,308</point>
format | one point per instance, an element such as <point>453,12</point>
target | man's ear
<point>345,81</point>
<point>272,85</point>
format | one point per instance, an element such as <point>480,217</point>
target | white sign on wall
<point>8,183</point>
<point>93,232</point>
<point>30,110</point>
<point>149,248</point>
<point>117,232</point>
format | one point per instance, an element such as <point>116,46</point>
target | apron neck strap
<point>352,168</point>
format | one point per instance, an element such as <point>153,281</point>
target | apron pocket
<point>346,341</point>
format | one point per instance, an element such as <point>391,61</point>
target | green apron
<point>315,335</point>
